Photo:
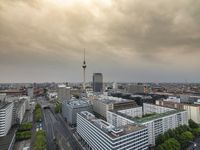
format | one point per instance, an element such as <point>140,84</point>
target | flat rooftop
<point>150,117</point>
<point>108,128</point>
<point>111,100</point>
<point>77,103</point>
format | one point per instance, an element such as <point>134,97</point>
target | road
<point>55,127</point>
<point>49,129</point>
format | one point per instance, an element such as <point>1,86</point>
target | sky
<point>126,40</point>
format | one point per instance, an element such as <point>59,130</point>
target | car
<point>26,148</point>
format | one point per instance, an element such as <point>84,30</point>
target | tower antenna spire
<point>84,67</point>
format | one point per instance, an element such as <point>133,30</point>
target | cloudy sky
<point>126,40</point>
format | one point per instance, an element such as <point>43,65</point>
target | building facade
<point>5,118</point>
<point>193,110</point>
<point>103,104</point>
<point>63,93</point>
<point>156,118</point>
<point>97,83</point>
<point>71,108</point>
<point>99,134</point>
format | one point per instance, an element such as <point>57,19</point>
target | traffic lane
<point>68,134</point>
<point>49,131</point>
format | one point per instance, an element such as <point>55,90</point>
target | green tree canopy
<point>193,124</point>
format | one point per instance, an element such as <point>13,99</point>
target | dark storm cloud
<point>134,35</point>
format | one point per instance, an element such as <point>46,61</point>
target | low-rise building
<point>99,134</point>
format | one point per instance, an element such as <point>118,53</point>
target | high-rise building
<point>5,117</point>
<point>63,93</point>
<point>99,134</point>
<point>97,82</point>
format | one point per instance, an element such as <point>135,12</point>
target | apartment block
<point>5,117</point>
<point>99,134</point>
<point>157,119</point>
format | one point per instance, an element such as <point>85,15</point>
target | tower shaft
<point>84,68</point>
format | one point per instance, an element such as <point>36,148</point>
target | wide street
<point>58,131</point>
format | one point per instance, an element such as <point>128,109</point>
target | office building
<point>104,103</point>
<point>63,93</point>
<point>193,110</point>
<point>72,107</point>
<point>157,119</point>
<point>5,117</point>
<point>99,134</point>
<point>19,110</point>
<point>98,83</point>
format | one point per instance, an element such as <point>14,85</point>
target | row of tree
<point>178,138</point>
<point>24,131</point>
<point>20,136</point>
<point>40,142</point>
<point>25,126</point>
<point>38,113</point>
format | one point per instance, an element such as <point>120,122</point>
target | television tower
<point>84,67</point>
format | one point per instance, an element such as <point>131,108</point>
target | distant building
<point>156,118</point>
<point>137,89</point>
<point>2,96</point>
<point>98,83</point>
<point>5,117</point>
<point>186,98</point>
<point>99,134</point>
<point>193,110</point>
<point>173,99</point>
<point>30,92</point>
<point>105,103</point>
<point>71,108</point>
<point>63,93</point>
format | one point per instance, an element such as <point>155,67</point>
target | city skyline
<point>127,41</point>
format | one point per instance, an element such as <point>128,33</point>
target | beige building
<point>192,110</point>
<point>102,105</point>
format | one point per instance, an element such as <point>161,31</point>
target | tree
<point>196,132</point>
<point>185,138</point>
<point>193,124</point>
<point>173,144</point>
<point>160,139</point>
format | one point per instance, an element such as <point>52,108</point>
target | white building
<point>63,93</point>
<point>193,110</point>
<point>30,92</point>
<point>173,99</point>
<point>20,106</point>
<point>99,134</point>
<point>5,118</point>
<point>156,118</point>
<point>72,107</point>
